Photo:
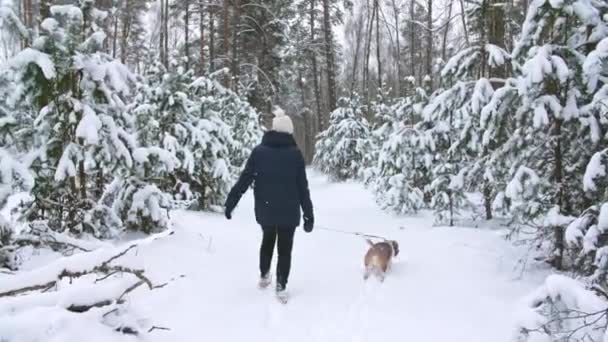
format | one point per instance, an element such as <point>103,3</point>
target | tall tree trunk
<point>487,196</point>
<point>379,60</point>
<point>558,176</point>
<point>161,45</point>
<point>368,43</point>
<point>211,39</point>
<point>235,44</point>
<point>329,56</point>
<point>315,69</point>
<point>115,36</point>
<point>226,41</point>
<point>463,16</point>
<point>126,28</point>
<point>187,33</point>
<point>356,58</point>
<point>399,90</point>
<point>201,61</point>
<point>446,32</point>
<point>26,17</point>
<point>368,48</point>
<point>99,183</point>
<point>82,177</point>
<point>496,35</point>
<point>412,28</point>
<point>429,42</point>
<point>166,26</point>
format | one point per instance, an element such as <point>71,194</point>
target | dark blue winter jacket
<point>280,187</point>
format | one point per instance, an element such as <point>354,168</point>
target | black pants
<point>284,246</point>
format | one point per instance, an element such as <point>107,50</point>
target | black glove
<point>228,214</point>
<point>308,224</point>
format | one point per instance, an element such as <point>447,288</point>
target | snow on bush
<point>563,309</point>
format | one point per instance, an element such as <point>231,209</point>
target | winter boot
<point>265,280</point>
<point>282,295</point>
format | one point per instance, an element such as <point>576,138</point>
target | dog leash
<point>363,235</point>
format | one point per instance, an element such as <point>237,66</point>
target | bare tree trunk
<point>82,175</point>
<point>211,39</point>
<point>445,35</point>
<point>558,175</point>
<point>226,41</point>
<point>166,26</point>
<point>329,55</point>
<point>126,29</point>
<point>356,59</point>
<point>161,45</point>
<point>187,33</point>
<point>487,196</point>
<point>446,32</point>
<point>463,16</point>
<point>235,44</point>
<point>412,28</point>
<point>201,61</point>
<point>429,42</point>
<point>496,35</point>
<point>366,80</point>
<point>315,69</point>
<point>26,15</point>
<point>115,37</point>
<point>379,60</point>
<point>398,52</point>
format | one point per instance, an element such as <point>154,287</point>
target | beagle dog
<point>378,258</point>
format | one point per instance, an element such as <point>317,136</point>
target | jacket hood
<point>278,139</point>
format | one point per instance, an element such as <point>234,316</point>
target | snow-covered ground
<point>449,284</point>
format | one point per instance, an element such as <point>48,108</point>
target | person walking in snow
<point>277,170</point>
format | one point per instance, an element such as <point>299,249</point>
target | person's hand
<point>308,225</point>
<point>228,214</point>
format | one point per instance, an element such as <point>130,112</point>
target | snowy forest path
<point>448,284</point>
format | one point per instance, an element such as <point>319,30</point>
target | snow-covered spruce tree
<point>386,122</point>
<point>81,134</point>
<point>401,172</point>
<point>174,117</point>
<point>342,149</point>
<point>242,119</point>
<point>444,119</point>
<point>472,76</point>
<point>549,141</point>
<point>229,131</point>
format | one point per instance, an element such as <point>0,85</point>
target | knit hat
<point>281,122</point>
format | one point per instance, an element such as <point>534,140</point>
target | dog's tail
<point>369,242</point>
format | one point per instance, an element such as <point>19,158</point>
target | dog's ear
<point>395,247</point>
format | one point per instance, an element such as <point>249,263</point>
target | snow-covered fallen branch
<point>96,262</point>
<point>92,285</point>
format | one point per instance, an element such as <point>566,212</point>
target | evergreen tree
<point>342,149</point>
<point>550,141</point>
<point>175,115</point>
<point>444,118</point>
<point>401,171</point>
<point>81,135</point>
